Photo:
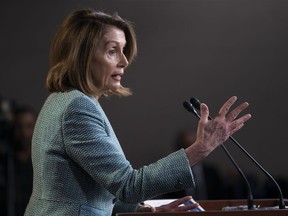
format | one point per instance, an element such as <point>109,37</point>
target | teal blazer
<point>79,166</point>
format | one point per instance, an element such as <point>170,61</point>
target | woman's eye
<point>112,51</point>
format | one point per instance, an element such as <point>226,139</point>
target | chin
<point>115,86</point>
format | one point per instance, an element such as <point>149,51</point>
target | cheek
<point>103,72</point>
<point>100,75</point>
<point>102,67</point>
<point>96,70</point>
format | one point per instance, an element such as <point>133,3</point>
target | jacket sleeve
<point>89,143</point>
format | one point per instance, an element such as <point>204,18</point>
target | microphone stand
<point>281,199</point>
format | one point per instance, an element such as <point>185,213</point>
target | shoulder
<point>70,99</point>
<point>81,102</point>
<point>70,96</point>
<point>61,104</point>
<point>77,105</point>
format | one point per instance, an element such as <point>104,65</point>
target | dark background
<point>210,49</point>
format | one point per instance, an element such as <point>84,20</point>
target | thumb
<point>204,111</point>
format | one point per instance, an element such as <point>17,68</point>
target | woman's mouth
<point>116,77</point>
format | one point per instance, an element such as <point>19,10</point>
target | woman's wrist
<point>195,153</point>
<point>145,208</point>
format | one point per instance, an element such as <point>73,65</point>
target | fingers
<point>225,108</point>
<point>181,201</point>
<point>187,207</point>
<point>183,206</point>
<point>230,117</point>
<point>177,205</point>
<point>239,123</point>
<point>234,113</point>
<point>204,111</point>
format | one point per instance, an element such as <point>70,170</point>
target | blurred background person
<point>7,108</point>
<point>16,166</point>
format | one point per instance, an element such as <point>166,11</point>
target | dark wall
<point>210,49</point>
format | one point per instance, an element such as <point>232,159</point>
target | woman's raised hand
<point>212,133</point>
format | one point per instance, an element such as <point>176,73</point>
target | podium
<point>214,208</point>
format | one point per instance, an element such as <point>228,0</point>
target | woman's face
<point>109,61</point>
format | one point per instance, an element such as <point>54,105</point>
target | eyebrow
<point>108,42</point>
<point>113,41</point>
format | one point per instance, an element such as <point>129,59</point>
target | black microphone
<point>196,103</point>
<point>189,107</point>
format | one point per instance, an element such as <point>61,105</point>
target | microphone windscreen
<point>188,106</point>
<point>195,102</point>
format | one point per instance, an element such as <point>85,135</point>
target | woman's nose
<point>123,61</point>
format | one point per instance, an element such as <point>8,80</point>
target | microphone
<point>197,103</point>
<point>189,107</point>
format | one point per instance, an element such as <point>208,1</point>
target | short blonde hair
<point>73,48</point>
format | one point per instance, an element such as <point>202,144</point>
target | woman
<point>79,166</point>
